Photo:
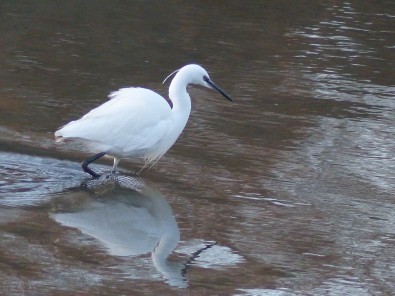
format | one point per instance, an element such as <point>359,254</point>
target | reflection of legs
<point>86,162</point>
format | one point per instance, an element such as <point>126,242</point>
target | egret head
<point>195,74</point>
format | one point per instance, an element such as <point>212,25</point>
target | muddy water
<point>287,191</point>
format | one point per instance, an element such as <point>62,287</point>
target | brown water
<point>287,191</point>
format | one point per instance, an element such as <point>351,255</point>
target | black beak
<point>216,87</point>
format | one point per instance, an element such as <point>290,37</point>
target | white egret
<point>137,122</point>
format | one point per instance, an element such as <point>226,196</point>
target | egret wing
<point>133,120</point>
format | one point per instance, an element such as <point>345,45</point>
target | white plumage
<point>137,122</point>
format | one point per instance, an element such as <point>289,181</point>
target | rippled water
<point>289,190</point>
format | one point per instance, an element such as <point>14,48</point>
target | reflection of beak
<point>213,85</point>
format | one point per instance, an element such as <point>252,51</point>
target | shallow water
<point>289,190</point>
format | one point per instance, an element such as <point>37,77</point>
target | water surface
<point>289,190</point>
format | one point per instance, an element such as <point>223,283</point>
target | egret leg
<point>86,162</point>
<point>114,168</point>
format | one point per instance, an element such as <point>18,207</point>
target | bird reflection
<point>129,218</point>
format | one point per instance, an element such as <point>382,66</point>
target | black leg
<point>86,162</point>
